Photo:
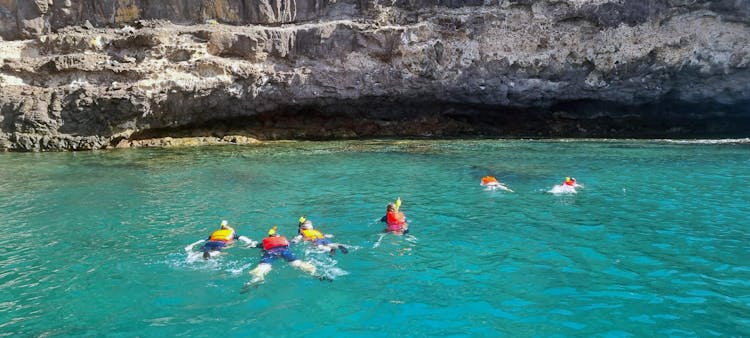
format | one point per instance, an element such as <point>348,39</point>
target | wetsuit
<point>275,247</point>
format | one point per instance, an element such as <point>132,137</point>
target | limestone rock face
<point>90,74</point>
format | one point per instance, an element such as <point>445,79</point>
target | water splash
<point>562,189</point>
<point>324,262</point>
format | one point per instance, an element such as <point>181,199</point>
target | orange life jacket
<point>224,235</point>
<point>274,242</point>
<point>488,179</point>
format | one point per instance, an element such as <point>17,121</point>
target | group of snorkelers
<point>276,246</point>
<point>491,183</point>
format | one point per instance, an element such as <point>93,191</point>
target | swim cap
<point>567,179</point>
<point>224,223</point>
<point>307,224</point>
<point>302,219</point>
<point>272,231</point>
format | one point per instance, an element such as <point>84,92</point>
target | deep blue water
<point>656,244</point>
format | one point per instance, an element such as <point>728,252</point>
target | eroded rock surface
<point>90,74</point>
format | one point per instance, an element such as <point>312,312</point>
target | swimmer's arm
<point>255,244</point>
<point>191,245</point>
<point>296,239</point>
<point>248,242</point>
<point>384,218</point>
<point>328,236</point>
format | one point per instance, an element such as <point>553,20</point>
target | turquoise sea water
<point>656,244</point>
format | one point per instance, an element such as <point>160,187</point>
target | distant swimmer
<point>307,233</point>
<point>395,219</point>
<point>571,182</point>
<point>567,187</point>
<point>275,246</point>
<point>222,238</point>
<point>491,183</point>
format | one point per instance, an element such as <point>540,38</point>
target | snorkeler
<point>321,241</point>
<point>492,184</point>
<point>275,246</point>
<point>222,238</point>
<point>571,182</point>
<point>567,187</point>
<point>395,219</point>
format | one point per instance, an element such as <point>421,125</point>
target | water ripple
<point>95,240</point>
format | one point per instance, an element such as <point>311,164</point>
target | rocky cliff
<point>90,74</point>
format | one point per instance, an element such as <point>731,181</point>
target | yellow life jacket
<point>312,234</point>
<point>224,235</point>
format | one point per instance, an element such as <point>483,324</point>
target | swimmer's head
<point>307,225</point>
<point>272,231</point>
<point>567,179</point>
<point>390,207</point>
<point>224,224</point>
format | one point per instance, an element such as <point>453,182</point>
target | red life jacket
<point>274,242</point>
<point>395,218</point>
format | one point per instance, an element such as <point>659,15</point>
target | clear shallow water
<point>655,245</point>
